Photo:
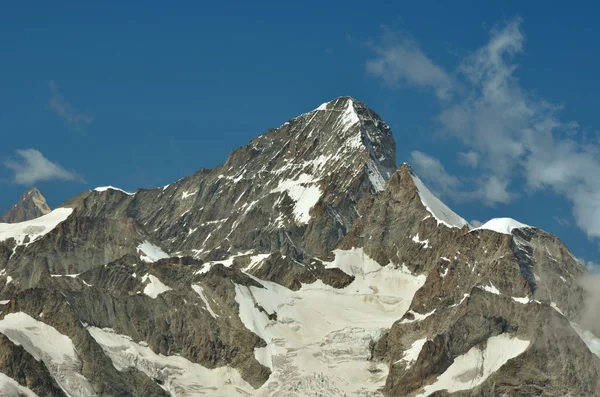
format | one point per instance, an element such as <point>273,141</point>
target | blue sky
<point>494,106</point>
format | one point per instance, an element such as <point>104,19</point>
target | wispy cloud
<point>476,223</point>
<point>432,170</point>
<point>509,134</point>
<point>63,108</point>
<point>399,61</point>
<point>30,166</point>
<point>469,158</point>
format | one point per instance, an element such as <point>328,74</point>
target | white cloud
<point>32,167</point>
<point>509,134</point>
<point>64,109</point>
<point>399,61</point>
<point>469,158</point>
<point>476,223</point>
<point>433,171</point>
<point>489,189</point>
<point>591,266</point>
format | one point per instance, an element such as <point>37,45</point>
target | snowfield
<point>321,340</point>
<point>474,367</point>
<point>35,228</point>
<point>10,388</point>
<point>54,349</point>
<point>180,376</point>
<point>151,253</point>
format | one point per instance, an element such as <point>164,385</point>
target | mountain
<point>31,205</point>
<point>306,264</point>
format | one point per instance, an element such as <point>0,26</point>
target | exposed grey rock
<point>292,274</point>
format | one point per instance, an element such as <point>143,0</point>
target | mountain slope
<point>31,205</point>
<point>306,264</point>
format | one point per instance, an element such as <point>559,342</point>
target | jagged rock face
<point>294,189</point>
<point>396,226</point>
<point>307,264</point>
<point>31,205</point>
<point>77,244</point>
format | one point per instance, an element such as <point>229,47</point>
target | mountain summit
<point>31,205</point>
<point>306,264</point>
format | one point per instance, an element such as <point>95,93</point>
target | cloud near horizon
<point>63,108</point>
<point>509,133</point>
<point>31,167</point>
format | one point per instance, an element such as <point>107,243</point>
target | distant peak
<point>33,190</point>
<point>31,205</point>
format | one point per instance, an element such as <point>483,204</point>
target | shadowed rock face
<point>283,262</point>
<point>31,205</point>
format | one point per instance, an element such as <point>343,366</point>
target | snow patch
<point>491,288</point>
<point>105,188</point>
<point>502,225</point>
<point>349,118</point>
<point>417,316</point>
<point>555,307</point>
<point>304,192</point>
<point>229,261</point>
<point>255,260</point>
<point>377,180</point>
<point>411,355</point>
<point>154,287</point>
<point>465,296</point>
<point>187,194</point>
<point>424,243</point>
<point>524,300</point>
<point>323,106</point>
<point>474,367</point>
<point>151,253</point>
<point>200,291</point>
<point>439,210</point>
